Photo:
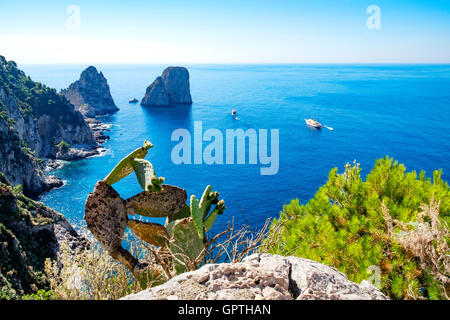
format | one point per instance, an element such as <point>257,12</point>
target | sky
<point>231,31</point>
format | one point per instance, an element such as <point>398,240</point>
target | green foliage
<point>33,98</point>
<point>22,252</point>
<point>63,146</point>
<point>343,226</point>
<point>40,295</point>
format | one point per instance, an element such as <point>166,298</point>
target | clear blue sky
<point>208,31</point>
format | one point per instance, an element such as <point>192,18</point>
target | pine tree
<point>345,226</point>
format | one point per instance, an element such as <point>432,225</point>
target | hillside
<point>29,233</point>
<point>35,121</point>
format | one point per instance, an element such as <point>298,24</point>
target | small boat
<point>313,124</point>
<point>134,100</point>
<point>233,112</point>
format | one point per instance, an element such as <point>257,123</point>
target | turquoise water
<point>402,111</point>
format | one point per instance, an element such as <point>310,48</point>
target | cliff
<point>90,94</point>
<point>29,233</point>
<point>172,87</point>
<point>34,121</point>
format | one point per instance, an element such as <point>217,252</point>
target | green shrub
<point>359,226</point>
<point>63,146</point>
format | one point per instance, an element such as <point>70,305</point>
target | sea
<point>401,111</point>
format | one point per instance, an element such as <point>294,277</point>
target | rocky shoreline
<point>81,152</point>
<point>90,96</point>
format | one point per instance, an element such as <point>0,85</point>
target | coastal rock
<point>30,133</point>
<point>90,94</point>
<point>172,87</point>
<point>262,277</point>
<point>98,129</point>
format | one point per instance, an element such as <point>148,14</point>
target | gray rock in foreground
<point>172,87</point>
<point>90,94</point>
<point>262,277</point>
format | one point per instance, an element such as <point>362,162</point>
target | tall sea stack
<point>172,87</point>
<point>90,94</point>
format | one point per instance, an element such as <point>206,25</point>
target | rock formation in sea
<point>35,121</point>
<point>172,87</point>
<point>262,277</point>
<point>29,233</point>
<point>90,94</point>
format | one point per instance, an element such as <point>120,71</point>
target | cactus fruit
<point>124,167</point>
<point>152,233</point>
<point>162,203</point>
<point>185,246</point>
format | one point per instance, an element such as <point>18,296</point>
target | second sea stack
<point>172,87</point>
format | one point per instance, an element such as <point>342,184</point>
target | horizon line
<point>240,63</point>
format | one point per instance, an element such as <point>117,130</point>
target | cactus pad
<point>197,216</point>
<point>186,246</point>
<point>105,216</point>
<point>124,167</point>
<point>152,233</point>
<point>162,203</point>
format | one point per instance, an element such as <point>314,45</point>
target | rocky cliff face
<point>34,119</point>
<point>172,87</point>
<point>29,233</point>
<point>90,94</point>
<point>262,277</point>
<point>21,165</point>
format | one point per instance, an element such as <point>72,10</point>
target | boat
<point>134,100</point>
<point>313,124</point>
<point>233,112</point>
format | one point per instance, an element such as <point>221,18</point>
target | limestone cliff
<point>34,121</point>
<point>90,94</point>
<point>172,87</point>
<point>29,233</point>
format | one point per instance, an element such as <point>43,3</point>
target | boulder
<point>172,87</point>
<point>90,94</point>
<point>262,277</point>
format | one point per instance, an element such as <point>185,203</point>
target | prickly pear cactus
<point>185,246</point>
<point>183,234</point>
<point>197,216</point>
<point>163,203</point>
<point>125,167</point>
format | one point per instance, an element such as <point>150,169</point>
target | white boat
<point>313,124</point>
<point>134,100</point>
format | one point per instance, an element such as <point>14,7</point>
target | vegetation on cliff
<point>29,234</point>
<point>391,228</point>
<point>34,98</point>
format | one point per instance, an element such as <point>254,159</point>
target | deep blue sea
<point>376,110</point>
